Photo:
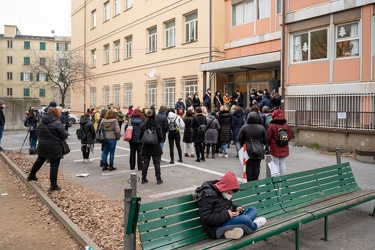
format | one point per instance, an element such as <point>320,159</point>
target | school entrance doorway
<point>245,89</point>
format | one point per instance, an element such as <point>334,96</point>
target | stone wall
<point>14,111</point>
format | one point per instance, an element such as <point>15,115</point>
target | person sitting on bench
<point>219,216</point>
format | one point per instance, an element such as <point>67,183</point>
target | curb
<point>76,232</point>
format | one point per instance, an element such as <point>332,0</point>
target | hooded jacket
<point>150,150</point>
<point>111,129</point>
<point>213,207</point>
<point>137,123</point>
<point>180,123</point>
<point>278,122</point>
<point>225,132</point>
<point>88,127</point>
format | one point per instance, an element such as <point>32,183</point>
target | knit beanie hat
<point>228,182</point>
<point>213,113</point>
<point>277,112</point>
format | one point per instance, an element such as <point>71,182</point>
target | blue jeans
<point>223,148</point>
<point>244,221</point>
<point>33,141</point>
<point>162,144</point>
<point>109,146</point>
<point>1,133</point>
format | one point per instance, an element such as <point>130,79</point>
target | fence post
<point>129,240</point>
<point>338,156</point>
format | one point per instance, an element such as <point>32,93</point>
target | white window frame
<point>356,49</point>
<point>294,44</point>
<point>151,94</point>
<point>243,12</point>
<point>93,19</point>
<point>107,11</point>
<point>42,77</point>
<point>116,51</point>
<point>27,77</point>
<point>191,27</point>
<point>106,54</point>
<point>105,96</point>
<point>190,85</point>
<point>129,4</point>
<point>93,58</point>
<point>93,96</point>
<point>279,7</point>
<point>117,6</point>
<point>170,34</point>
<point>266,12</point>
<point>129,46</point>
<point>128,94</point>
<point>169,93</point>
<point>152,39</point>
<point>116,94</point>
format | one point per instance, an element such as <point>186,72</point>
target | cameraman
<point>32,124</point>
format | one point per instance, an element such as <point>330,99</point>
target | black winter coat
<point>202,120</point>
<point>51,131</point>
<point>238,120</point>
<point>150,150</point>
<point>255,131</point>
<point>161,119</point>
<point>88,127</point>
<point>137,123</point>
<point>225,132</point>
<point>213,208</point>
<point>196,102</point>
<point>188,131</point>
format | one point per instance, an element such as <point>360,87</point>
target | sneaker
<point>220,155</point>
<point>226,155</point>
<point>54,188</point>
<point>144,181</point>
<point>159,182</point>
<point>202,159</point>
<point>47,163</point>
<point>89,160</point>
<point>186,155</point>
<point>198,160</point>
<point>171,162</point>
<point>260,222</point>
<point>235,233</point>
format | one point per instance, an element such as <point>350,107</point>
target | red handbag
<point>128,133</point>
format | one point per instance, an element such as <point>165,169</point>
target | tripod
<point>27,134</point>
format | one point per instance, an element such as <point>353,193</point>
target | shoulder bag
<point>128,135</point>
<point>99,135</point>
<point>255,148</point>
<point>64,145</point>
<point>150,137</point>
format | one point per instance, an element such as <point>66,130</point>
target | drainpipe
<point>84,61</point>
<point>282,55</point>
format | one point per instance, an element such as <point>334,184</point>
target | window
<point>191,84</point>
<point>191,27</point>
<point>93,19</point>
<point>169,34</point>
<point>9,92</point>
<point>278,7</point>
<point>42,61</point>
<point>106,11</point>
<point>42,46</point>
<point>116,95</point>
<point>311,45</point>
<point>106,54</point>
<point>151,94</point>
<point>93,58</point>
<point>105,96</point>
<point>42,93</point>
<point>116,51</point>
<point>26,92</point>
<point>129,46</point>
<point>9,59</point>
<point>63,62</point>
<point>26,45</point>
<point>169,92</point>
<point>9,76</point>
<point>9,44</point>
<point>93,97</point>
<point>62,46</point>
<point>264,8</point>
<point>152,36</point>
<point>41,77</point>
<point>243,12</point>
<point>117,7</point>
<point>26,61</point>
<point>129,4</point>
<point>347,40</point>
<point>26,77</point>
<point>128,94</point>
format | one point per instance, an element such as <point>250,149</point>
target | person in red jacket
<point>278,153</point>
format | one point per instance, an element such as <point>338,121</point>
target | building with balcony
<point>18,54</point>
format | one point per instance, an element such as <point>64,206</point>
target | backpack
<point>172,127</point>
<point>282,137</point>
<point>201,130</point>
<point>198,193</point>
<point>81,133</point>
<point>150,137</point>
<point>267,119</point>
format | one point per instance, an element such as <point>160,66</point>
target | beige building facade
<point>18,53</point>
<point>145,53</point>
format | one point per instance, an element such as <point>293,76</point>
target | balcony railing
<point>340,121</point>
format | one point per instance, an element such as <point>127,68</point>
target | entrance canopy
<point>246,63</point>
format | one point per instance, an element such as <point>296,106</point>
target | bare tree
<point>63,70</point>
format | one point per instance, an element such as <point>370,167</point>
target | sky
<point>37,17</point>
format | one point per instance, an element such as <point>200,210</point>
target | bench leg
<point>297,238</point>
<point>326,228</point>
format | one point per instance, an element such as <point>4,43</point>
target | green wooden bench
<point>286,201</point>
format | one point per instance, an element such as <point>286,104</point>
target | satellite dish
<point>152,73</point>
